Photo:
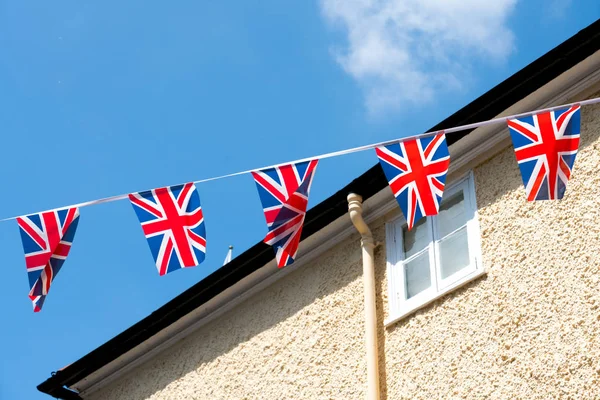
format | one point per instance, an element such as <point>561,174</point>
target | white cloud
<point>408,51</point>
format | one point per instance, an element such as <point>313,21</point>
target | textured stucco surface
<point>301,338</point>
<point>529,329</point>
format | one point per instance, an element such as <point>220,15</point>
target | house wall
<point>530,328</point>
<point>301,338</point>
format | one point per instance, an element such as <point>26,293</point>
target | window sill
<point>403,313</point>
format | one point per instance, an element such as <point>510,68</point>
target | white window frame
<point>399,306</point>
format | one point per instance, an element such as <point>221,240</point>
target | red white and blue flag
<point>47,238</point>
<point>546,145</point>
<point>416,171</point>
<point>284,194</point>
<point>173,224</point>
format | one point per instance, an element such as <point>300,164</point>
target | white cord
<point>343,152</point>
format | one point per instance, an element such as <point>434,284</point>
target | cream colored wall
<point>529,329</point>
<point>301,338</point>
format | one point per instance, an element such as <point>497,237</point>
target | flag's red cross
<point>297,203</point>
<point>49,239</point>
<point>548,143</point>
<point>294,201</point>
<point>419,171</point>
<point>285,219</point>
<point>174,223</point>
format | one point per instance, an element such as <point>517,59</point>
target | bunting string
<point>344,152</point>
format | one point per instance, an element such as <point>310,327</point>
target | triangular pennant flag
<point>284,193</point>
<point>47,238</point>
<point>546,145</point>
<point>173,224</point>
<point>416,171</point>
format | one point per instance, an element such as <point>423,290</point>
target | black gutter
<point>521,84</point>
<point>65,394</point>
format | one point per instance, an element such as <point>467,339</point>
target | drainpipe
<point>367,244</point>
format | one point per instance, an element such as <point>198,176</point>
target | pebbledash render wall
<point>528,329</point>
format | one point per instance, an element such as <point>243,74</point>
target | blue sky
<point>104,98</point>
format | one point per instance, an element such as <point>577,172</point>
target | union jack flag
<point>546,145</point>
<point>47,238</point>
<point>284,193</point>
<point>416,171</point>
<point>173,224</point>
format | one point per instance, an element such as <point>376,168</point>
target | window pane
<point>452,214</point>
<point>416,239</point>
<point>454,253</point>
<point>416,274</point>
